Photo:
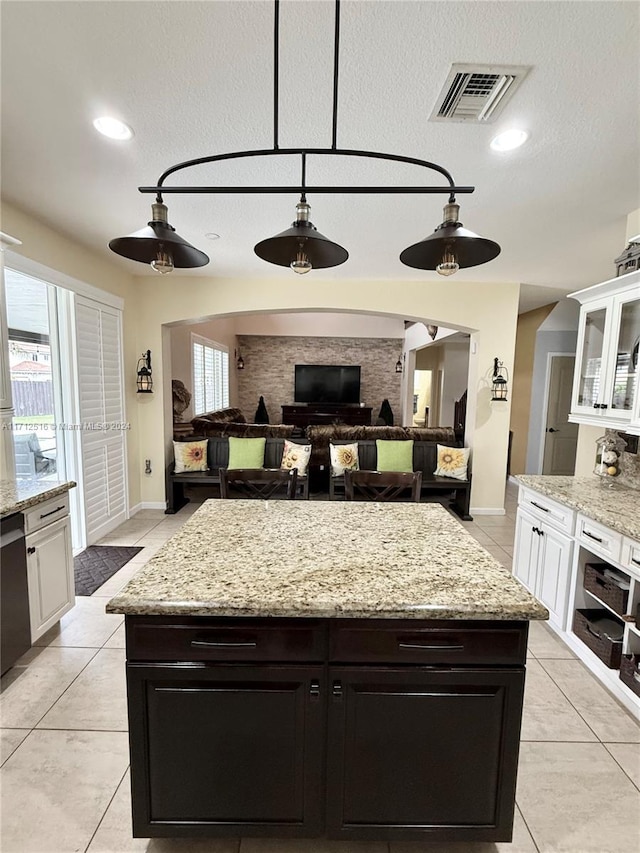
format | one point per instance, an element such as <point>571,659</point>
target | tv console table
<point>304,414</point>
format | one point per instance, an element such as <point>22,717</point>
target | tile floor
<point>65,781</point>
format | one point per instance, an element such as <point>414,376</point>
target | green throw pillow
<point>246,452</point>
<point>394,455</point>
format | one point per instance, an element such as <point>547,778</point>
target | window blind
<point>210,376</point>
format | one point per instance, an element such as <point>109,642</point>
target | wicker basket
<point>605,588</point>
<point>585,626</point>
<point>630,672</point>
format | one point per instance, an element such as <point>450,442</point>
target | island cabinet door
<point>226,749</point>
<point>423,754</point>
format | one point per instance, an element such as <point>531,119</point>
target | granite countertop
<point>20,494</point>
<point>325,559</point>
<point>616,506</point>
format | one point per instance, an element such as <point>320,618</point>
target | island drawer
<point>436,642</point>
<point>213,639</point>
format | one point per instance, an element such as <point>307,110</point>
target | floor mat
<point>98,563</point>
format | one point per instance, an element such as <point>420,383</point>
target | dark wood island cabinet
<point>351,721</point>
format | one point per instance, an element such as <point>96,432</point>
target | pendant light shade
<point>159,245</point>
<point>301,247</point>
<point>450,247</point>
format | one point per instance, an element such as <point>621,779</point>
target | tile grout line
<point>578,712</point>
<point>113,796</point>
<point>68,685</point>
<point>524,820</point>
<point>621,767</point>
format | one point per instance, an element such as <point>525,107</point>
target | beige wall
<point>488,310</point>
<point>528,325</point>
<point>42,244</point>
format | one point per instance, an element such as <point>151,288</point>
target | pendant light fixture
<point>302,247</point>
<point>451,247</point>
<point>159,245</point>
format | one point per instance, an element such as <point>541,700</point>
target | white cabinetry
<point>542,559</point>
<point>606,386</point>
<point>49,564</point>
<point>553,544</point>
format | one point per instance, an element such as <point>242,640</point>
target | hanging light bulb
<point>301,247</point>
<point>163,262</point>
<point>301,264</point>
<point>448,265</point>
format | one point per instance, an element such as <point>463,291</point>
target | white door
<point>525,553</point>
<point>101,405</point>
<point>49,575</point>
<point>554,566</point>
<point>561,437</point>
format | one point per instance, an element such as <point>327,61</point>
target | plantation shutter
<point>101,409</point>
<point>210,376</point>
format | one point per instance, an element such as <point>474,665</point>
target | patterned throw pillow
<point>296,456</point>
<point>190,456</point>
<point>246,452</point>
<point>343,457</point>
<point>452,462</point>
<point>394,455</point>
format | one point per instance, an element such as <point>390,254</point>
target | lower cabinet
<point>49,575</point>
<point>369,751</point>
<point>542,562</point>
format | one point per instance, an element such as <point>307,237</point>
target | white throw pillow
<point>452,462</point>
<point>344,457</point>
<point>296,456</point>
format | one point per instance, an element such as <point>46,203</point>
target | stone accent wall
<point>269,370</point>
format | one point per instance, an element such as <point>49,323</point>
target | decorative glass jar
<point>609,450</point>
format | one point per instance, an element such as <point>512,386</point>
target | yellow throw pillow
<point>190,456</point>
<point>296,456</point>
<point>344,457</point>
<point>452,462</point>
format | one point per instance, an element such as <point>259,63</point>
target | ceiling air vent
<point>477,93</point>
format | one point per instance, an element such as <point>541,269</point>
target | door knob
<point>551,429</point>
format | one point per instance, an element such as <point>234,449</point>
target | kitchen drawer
<point>212,639</point>
<point>630,558</point>
<point>391,641</point>
<point>558,515</point>
<point>46,513</point>
<point>598,539</point>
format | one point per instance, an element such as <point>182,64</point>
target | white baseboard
<point>487,510</point>
<point>107,528</point>
<point>147,505</point>
<point>134,509</point>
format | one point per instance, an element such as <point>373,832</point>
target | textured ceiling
<point>195,78</point>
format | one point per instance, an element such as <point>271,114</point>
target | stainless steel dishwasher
<point>15,631</point>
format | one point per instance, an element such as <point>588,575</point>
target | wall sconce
<point>400,364</point>
<point>145,381</point>
<point>433,331</point>
<point>500,378</point>
<point>239,360</point>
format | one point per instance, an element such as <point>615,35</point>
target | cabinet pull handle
<point>431,647</point>
<point>57,509</point>
<point>224,644</point>
<point>337,691</point>
<point>31,550</point>
<point>637,562</point>
<point>314,691</point>
<point>591,536</point>
<point>596,405</point>
<point>543,508</point>
<point>604,406</point>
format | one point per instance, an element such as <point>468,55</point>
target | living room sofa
<point>231,422</point>
<point>217,458</point>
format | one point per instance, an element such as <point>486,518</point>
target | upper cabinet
<point>606,390</point>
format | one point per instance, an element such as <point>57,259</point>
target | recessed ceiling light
<point>211,235</point>
<point>509,140</point>
<point>113,128</point>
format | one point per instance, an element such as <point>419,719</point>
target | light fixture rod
<point>276,63</point>
<point>336,54</point>
<point>304,172</point>
<point>305,189</point>
<point>325,152</point>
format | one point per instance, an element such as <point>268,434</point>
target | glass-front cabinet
<point>605,388</point>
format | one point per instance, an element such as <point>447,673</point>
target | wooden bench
<point>456,492</point>
<point>217,458</point>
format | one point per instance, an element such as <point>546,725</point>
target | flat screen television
<point>327,383</point>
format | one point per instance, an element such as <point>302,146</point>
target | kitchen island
<point>303,669</point>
